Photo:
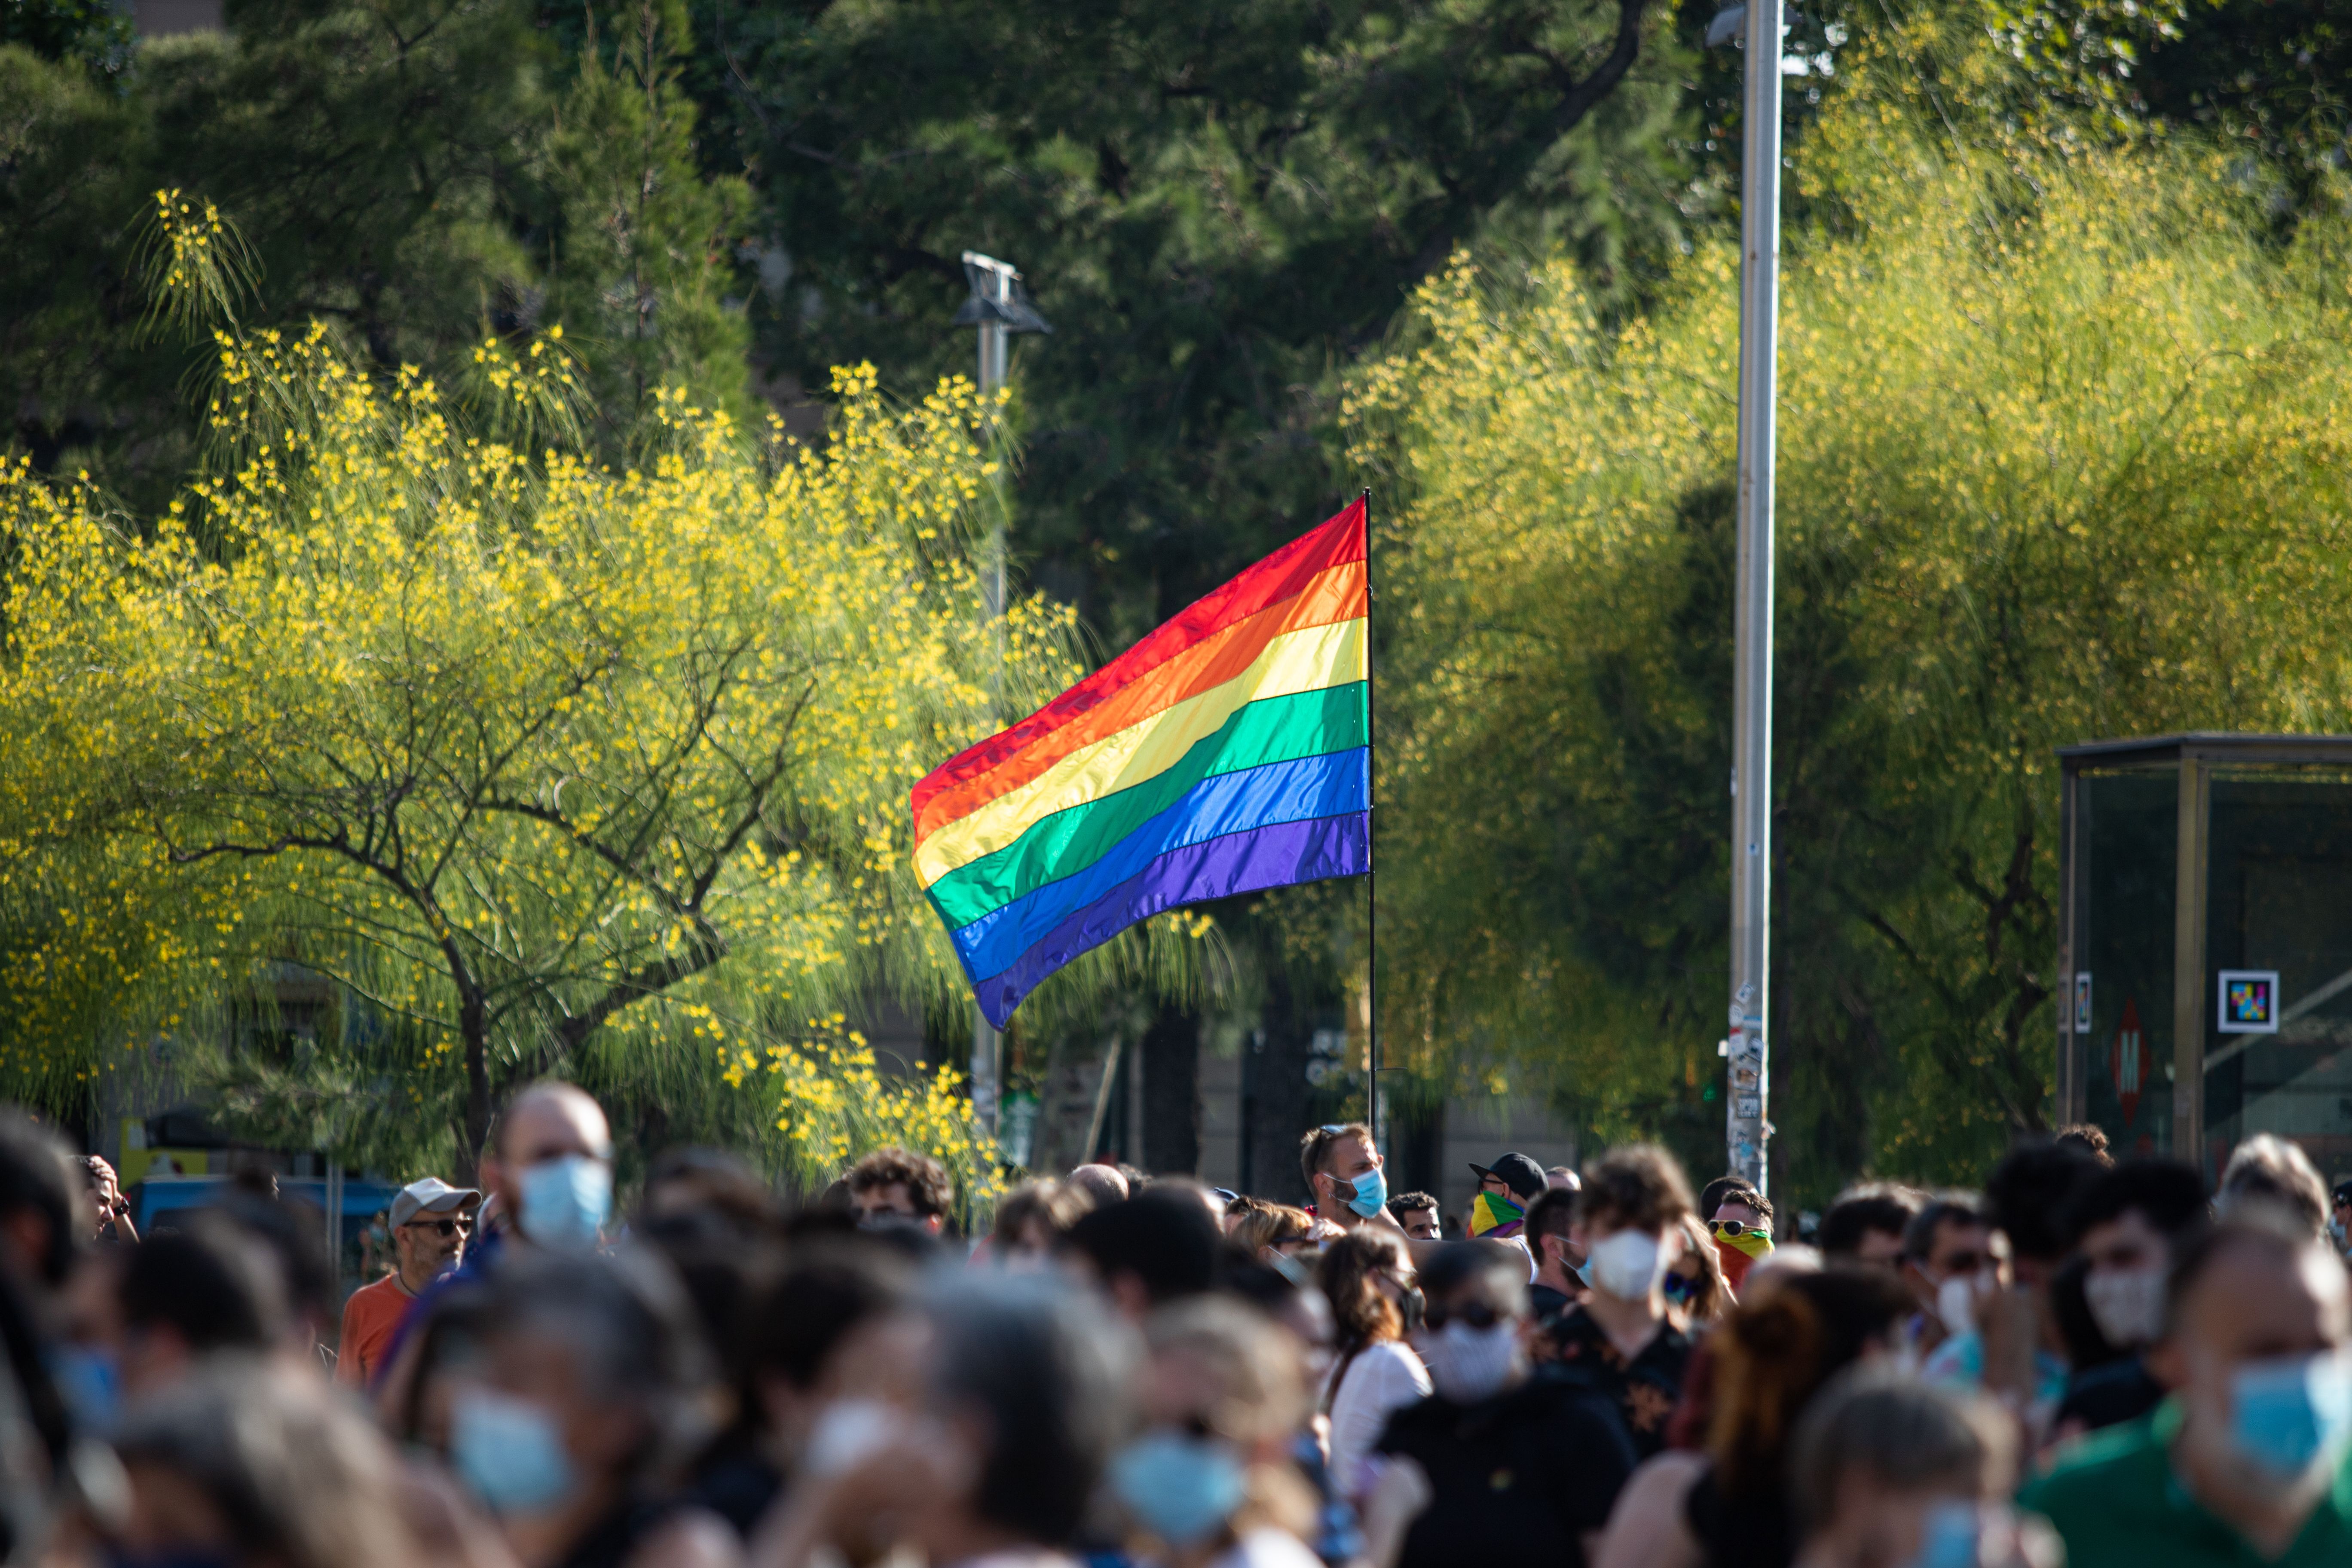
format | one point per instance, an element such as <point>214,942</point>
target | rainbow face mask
<point>1490,1214</point>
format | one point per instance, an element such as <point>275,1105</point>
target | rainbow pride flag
<point>1227,751</point>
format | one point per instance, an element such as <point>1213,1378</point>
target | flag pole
<point>1372,839</point>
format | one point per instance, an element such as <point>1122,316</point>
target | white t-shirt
<point>1381,1379</point>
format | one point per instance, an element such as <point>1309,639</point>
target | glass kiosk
<point>2205,943</point>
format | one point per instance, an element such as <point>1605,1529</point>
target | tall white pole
<point>1750,1083</point>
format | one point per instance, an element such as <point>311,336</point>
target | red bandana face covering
<point>1740,1251</point>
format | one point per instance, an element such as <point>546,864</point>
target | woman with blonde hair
<point>1368,1277</point>
<point>1210,1479</point>
<point>1275,1232</point>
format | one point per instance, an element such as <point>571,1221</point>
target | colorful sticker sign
<point>2082,1001</point>
<point>2249,999</point>
<point>2127,1061</point>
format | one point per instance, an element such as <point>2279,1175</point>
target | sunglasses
<point>1477,1314</point>
<point>1732,1229</point>
<point>441,1227</point>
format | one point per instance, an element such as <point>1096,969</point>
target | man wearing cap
<point>430,1222</point>
<point>1506,1188</point>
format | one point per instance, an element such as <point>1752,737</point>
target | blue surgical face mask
<point>565,1201</point>
<point>1180,1489</point>
<point>91,1384</point>
<point>1952,1538</point>
<point>1371,1193</point>
<point>508,1451</point>
<point>2292,1413</point>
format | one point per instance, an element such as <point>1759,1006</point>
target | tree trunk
<point>1279,1092</point>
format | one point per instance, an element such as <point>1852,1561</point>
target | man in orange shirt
<point>430,1222</point>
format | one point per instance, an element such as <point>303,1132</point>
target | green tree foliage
<point>415,172</point>
<point>2063,453</point>
<point>1218,205</point>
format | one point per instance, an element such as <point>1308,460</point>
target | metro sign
<point>2127,1061</point>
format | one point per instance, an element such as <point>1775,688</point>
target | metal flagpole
<point>997,309</point>
<point>1747,1128</point>
<point>1371,861</point>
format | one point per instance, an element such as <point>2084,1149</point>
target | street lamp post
<point>999,307</point>
<point>1749,1081</point>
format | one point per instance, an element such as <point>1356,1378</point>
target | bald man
<point>2250,1459</point>
<point>549,1169</point>
<point>551,1164</point>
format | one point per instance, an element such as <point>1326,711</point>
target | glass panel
<point>2279,897</point>
<point>2127,836</point>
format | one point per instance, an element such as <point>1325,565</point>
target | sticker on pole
<point>2249,1002</point>
<point>2082,1001</point>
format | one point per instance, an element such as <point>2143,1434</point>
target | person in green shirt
<point>2249,1461</point>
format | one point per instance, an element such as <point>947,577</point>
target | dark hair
<point>805,1311</point>
<point>1048,1373</point>
<point>2028,1191</point>
<point>1405,1203</point>
<point>729,1188</point>
<point>2168,1192</point>
<point>1887,1210</point>
<point>1908,1434</point>
<point>633,1335</point>
<point>1549,1214</point>
<point>1723,1188</point>
<point>925,1179</point>
<point>1951,1208</point>
<point>1360,1314</point>
<point>1163,1235</point>
<point>36,1173</point>
<point>1316,1146</point>
<point>293,1231</point>
<point>1638,1185</point>
<point>1053,1204</point>
<point>211,1281</point>
<point>1456,1263</point>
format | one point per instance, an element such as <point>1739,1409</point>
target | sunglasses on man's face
<point>441,1227</point>
<point>1732,1229</point>
<point>1477,1314</point>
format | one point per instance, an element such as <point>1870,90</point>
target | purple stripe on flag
<point>1273,856</point>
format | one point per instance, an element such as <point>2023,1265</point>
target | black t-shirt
<point>1645,1389</point>
<point>1515,1479</point>
<point>2109,1394</point>
<point>1544,1304</point>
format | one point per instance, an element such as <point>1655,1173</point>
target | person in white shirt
<point>1368,1277</point>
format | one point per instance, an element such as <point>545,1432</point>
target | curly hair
<point>1638,1185</point>
<point>1364,1315</point>
<point>925,1179</point>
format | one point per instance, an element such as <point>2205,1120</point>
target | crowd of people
<point>2090,1361</point>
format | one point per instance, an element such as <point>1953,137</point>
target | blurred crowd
<point>2087,1361</point>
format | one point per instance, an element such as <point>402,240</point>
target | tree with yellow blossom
<point>517,750</point>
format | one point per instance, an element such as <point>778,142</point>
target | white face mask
<point>1955,1303</point>
<point>1470,1364</point>
<point>2128,1304</point>
<point>1627,1264</point>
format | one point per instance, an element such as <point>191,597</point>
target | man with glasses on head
<point>1346,1176</point>
<point>431,1221</point>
